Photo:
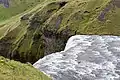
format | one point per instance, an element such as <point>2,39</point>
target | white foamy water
<point>84,58</point>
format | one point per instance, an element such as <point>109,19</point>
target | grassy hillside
<point>45,28</point>
<point>12,70</point>
<point>16,7</point>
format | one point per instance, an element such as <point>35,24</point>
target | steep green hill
<point>12,70</point>
<point>16,7</point>
<point>45,28</point>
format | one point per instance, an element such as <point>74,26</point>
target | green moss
<point>12,70</point>
<point>45,28</point>
<point>16,7</point>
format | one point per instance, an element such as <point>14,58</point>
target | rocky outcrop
<point>46,28</point>
<point>85,57</point>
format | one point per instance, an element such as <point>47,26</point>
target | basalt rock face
<point>46,28</point>
<point>85,57</point>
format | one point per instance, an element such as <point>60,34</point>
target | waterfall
<point>85,57</point>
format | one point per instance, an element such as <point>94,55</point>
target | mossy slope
<point>46,28</point>
<point>12,70</point>
<point>16,7</point>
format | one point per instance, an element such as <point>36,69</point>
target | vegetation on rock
<point>16,7</point>
<point>12,70</point>
<point>45,28</point>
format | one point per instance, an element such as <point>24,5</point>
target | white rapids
<point>86,57</point>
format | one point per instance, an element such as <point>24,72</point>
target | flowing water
<point>86,57</point>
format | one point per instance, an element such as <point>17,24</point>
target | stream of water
<point>85,57</point>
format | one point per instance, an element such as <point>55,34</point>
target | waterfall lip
<point>91,57</point>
